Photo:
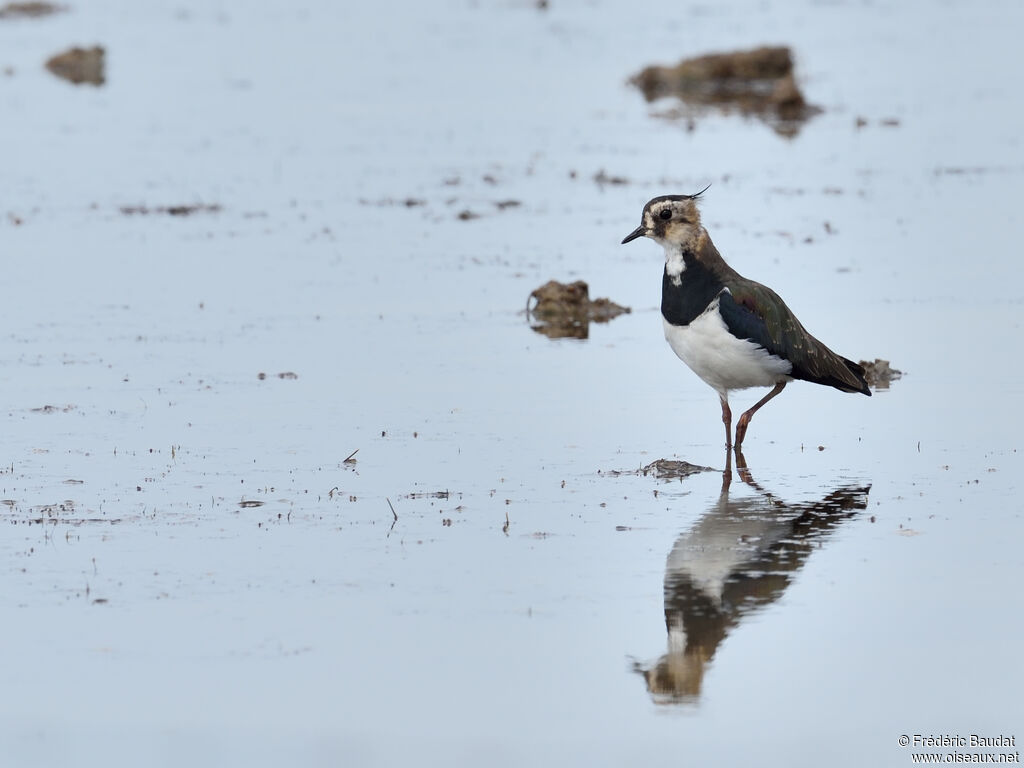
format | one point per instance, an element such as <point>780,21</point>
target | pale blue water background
<point>310,631</point>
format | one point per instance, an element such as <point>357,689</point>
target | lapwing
<point>732,332</point>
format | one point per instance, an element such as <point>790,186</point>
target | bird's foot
<point>741,429</point>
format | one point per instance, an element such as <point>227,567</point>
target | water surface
<point>191,572</point>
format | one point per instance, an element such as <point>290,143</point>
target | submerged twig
<point>393,522</point>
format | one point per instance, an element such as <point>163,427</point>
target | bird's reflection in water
<point>737,558</point>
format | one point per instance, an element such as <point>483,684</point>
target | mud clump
<point>758,83</point>
<point>879,374</point>
<point>29,10</point>
<point>565,310</point>
<point>80,65</point>
<point>662,469</point>
<point>671,469</point>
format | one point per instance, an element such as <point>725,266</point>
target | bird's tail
<point>854,381</point>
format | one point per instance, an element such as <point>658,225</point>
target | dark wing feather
<point>755,312</point>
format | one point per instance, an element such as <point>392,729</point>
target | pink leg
<point>744,422</point>
<point>727,420</point>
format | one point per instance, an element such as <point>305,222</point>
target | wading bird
<point>734,333</point>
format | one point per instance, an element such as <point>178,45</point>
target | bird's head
<point>670,220</point>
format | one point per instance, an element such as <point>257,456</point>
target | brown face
<point>671,219</point>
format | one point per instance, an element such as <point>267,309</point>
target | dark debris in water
<point>672,469</point>
<point>80,65</point>
<point>602,178</point>
<point>408,202</point>
<point>59,513</point>
<point>29,10</point>
<point>465,214</point>
<point>885,122</point>
<point>286,375</point>
<point>429,495</point>
<point>663,469</point>
<point>879,374</point>
<point>170,210</point>
<point>565,310</point>
<point>758,82</point>
<point>54,409</point>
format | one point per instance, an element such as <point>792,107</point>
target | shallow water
<point>518,603</point>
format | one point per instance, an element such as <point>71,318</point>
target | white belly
<point>722,360</point>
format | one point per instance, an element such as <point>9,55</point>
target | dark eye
<point>665,214</point>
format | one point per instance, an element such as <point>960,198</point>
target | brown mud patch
<point>758,83</point>
<point>80,65</point>
<point>879,374</point>
<point>565,310</point>
<point>29,10</point>
<point>662,469</point>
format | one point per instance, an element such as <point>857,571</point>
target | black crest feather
<point>695,196</point>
